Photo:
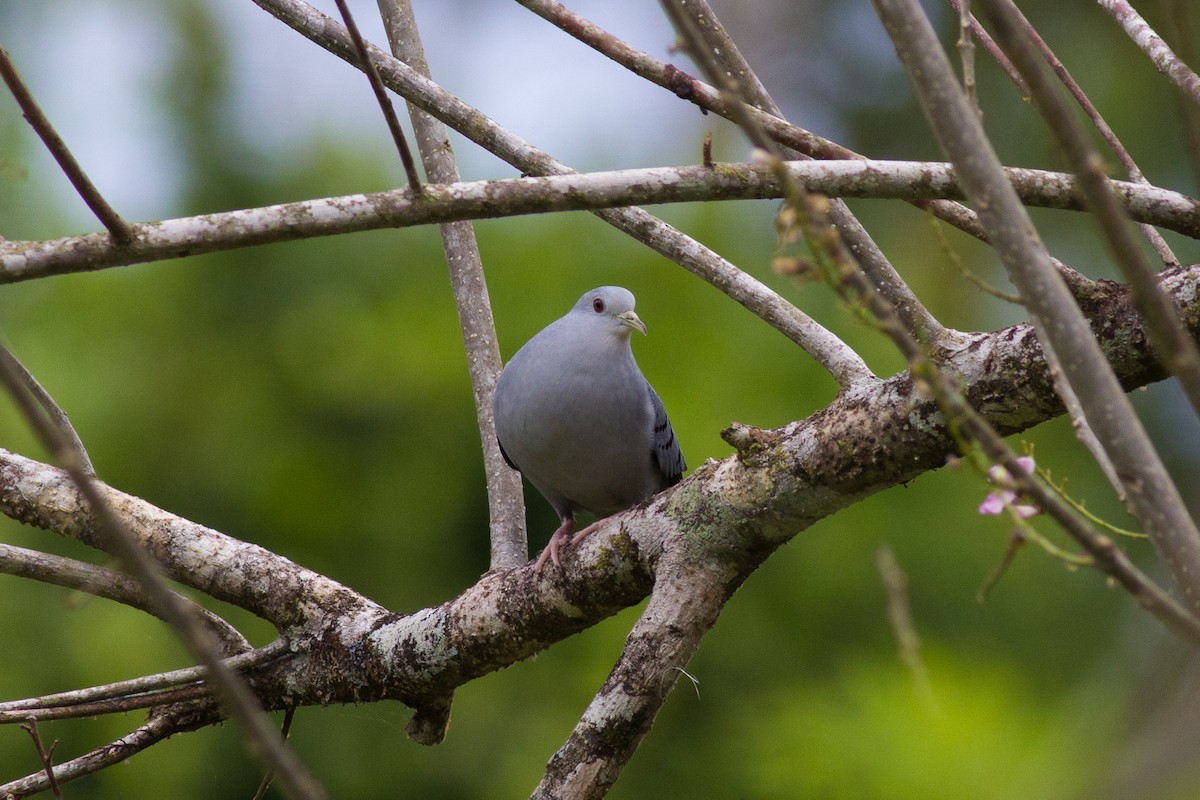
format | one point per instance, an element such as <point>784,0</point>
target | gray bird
<point>576,416</point>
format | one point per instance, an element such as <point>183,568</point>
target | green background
<point>312,397</point>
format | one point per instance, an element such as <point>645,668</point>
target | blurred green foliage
<point>312,397</point>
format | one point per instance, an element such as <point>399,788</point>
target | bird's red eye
<point>598,306</point>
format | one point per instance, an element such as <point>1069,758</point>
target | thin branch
<point>108,217</point>
<point>234,692</point>
<point>1150,43</point>
<point>1061,326</point>
<point>792,137</point>
<point>1174,346</point>
<point>966,56</point>
<point>385,104</point>
<point>110,585</point>
<point>285,729</point>
<point>962,420</point>
<point>208,233</point>
<point>899,612</point>
<point>506,503</point>
<point>142,685</point>
<point>151,733</point>
<point>989,44</point>
<point>51,408</point>
<point>111,705</point>
<point>1106,132</point>
<point>45,756</point>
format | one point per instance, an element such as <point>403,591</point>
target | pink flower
<point>997,502</point>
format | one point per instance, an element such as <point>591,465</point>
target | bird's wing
<point>666,449</point>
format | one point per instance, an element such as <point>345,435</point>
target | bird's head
<point>612,305</point>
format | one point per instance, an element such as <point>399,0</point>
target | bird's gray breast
<point>576,418</point>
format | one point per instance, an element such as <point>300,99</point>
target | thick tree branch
<point>883,434</point>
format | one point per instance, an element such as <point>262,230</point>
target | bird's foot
<point>577,538</point>
<point>557,541</point>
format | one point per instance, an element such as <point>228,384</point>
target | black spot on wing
<point>667,455</point>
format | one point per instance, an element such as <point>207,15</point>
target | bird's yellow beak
<point>631,319</point>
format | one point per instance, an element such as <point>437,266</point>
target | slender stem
<point>746,101</point>
<point>151,733</point>
<point>385,105</point>
<point>108,217</point>
<point>45,756</point>
<point>506,503</point>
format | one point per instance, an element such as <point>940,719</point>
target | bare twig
<point>284,730</point>
<point>1106,132</point>
<point>733,75</point>
<point>108,217</point>
<point>385,104</point>
<point>855,286</point>
<point>154,731</point>
<point>51,408</point>
<point>236,695</point>
<point>1150,43</point>
<point>45,756</point>
<point>1154,500</point>
<point>140,686</point>
<point>109,584</point>
<point>966,56</point>
<point>506,503</point>
<point>989,45</point>
<point>1174,346</point>
<point>111,705</point>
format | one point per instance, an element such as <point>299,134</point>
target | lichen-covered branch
<point>208,233</point>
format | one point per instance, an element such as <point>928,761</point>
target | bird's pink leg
<point>557,540</point>
<point>577,538</point>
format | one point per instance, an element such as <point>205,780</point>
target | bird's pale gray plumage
<point>574,413</point>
